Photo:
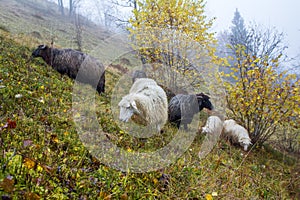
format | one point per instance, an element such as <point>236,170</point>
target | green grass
<point>42,156</point>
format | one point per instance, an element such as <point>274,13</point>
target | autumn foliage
<point>261,98</point>
<point>173,33</point>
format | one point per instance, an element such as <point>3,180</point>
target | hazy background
<point>284,15</point>
<point>278,14</point>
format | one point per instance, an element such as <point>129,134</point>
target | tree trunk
<point>61,7</point>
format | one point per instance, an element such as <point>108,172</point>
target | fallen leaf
<point>208,197</point>
<point>124,196</point>
<point>54,138</point>
<point>39,168</point>
<point>155,181</point>
<point>32,196</point>
<point>29,163</point>
<point>7,184</point>
<point>11,124</point>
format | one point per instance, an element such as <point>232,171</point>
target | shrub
<point>263,99</point>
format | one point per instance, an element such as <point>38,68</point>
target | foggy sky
<point>282,14</point>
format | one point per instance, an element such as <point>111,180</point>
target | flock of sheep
<point>147,103</point>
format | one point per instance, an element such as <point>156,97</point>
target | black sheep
<point>69,61</point>
<point>182,108</point>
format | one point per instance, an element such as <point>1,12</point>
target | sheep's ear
<point>43,46</point>
<point>200,95</point>
<point>133,104</point>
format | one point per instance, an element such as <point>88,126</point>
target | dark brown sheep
<point>69,61</point>
<point>182,108</point>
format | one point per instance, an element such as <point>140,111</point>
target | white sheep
<point>145,104</point>
<point>141,84</point>
<point>214,125</point>
<point>236,133</point>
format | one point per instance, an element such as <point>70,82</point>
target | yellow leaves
<point>39,168</point>
<point>169,17</point>
<point>295,89</point>
<point>31,195</point>
<point>262,92</point>
<point>210,196</point>
<point>155,181</point>
<point>54,138</point>
<point>29,163</point>
<point>104,195</point>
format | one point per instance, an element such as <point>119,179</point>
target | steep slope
<point>40,22</point>
<point>42,157</point>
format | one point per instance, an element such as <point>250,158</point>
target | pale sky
<point>282,14</point>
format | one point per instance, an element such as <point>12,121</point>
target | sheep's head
<point>204,102</point>
<point>40,51</point>
<point>245,143</point>
<point>205,129</point>
<point>127,109</point>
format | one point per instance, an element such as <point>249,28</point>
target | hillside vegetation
<point>42,157</point>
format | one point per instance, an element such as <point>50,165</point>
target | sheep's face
<point>207,104</point>
<point>204,102</point>
<point>205,129</point>
<point>39,51</point>
<point>245,143</point>
<point>127,109</point>
<point>245,146</point>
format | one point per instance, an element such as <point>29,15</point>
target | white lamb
<point>214,125</point>
<point>236,133</point>
<point>145,104</point>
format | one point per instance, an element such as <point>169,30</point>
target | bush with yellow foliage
<point>262,99</point>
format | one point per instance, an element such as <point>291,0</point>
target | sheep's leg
<point>185,127</point>
<point>178,124</point>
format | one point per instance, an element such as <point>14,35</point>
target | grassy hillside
<point>42,157</point>
<point>33,22</point>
